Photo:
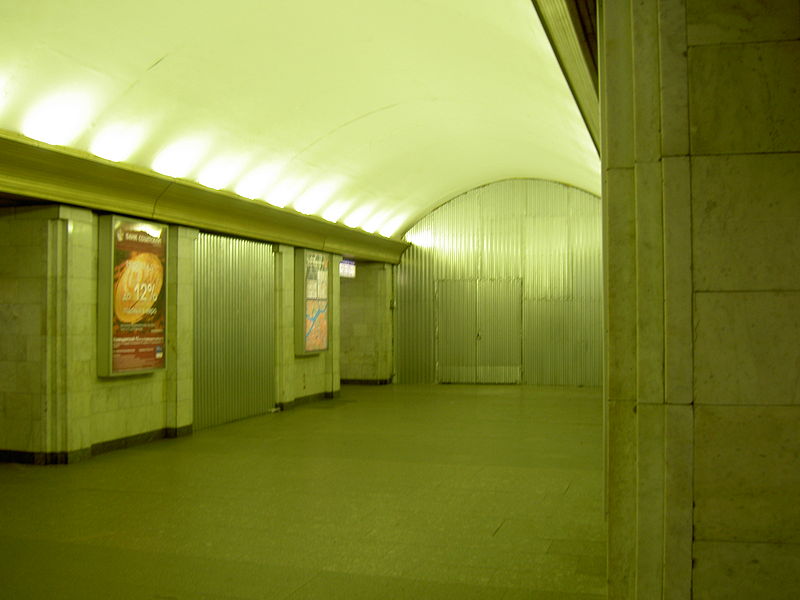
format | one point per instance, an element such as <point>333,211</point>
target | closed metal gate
<point>234,329</point>
<point>479,331</point>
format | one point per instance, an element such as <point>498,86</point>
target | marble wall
<point>701,175</point>
<point>23,315</point>
<point>316,374</point>
<point>367,330</point>
<point>55,407</point>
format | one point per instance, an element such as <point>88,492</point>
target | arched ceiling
<point>370,114</point>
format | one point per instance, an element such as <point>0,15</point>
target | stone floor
<point>386,492</point>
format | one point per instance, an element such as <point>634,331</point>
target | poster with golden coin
<point>137,303</point>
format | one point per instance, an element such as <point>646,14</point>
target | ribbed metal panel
<point>539,238</point>
<point>234,329</point>
<point>456,330</point>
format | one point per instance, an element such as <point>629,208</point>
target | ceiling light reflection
<point>179,158</point>
<point>357,217</point>
<point>316,196</point>
<point>391,226</point>
<point>285,191</point>
<point>117,142</point>
<point>220,172</point>
<point>424,239</point>
<point>256,182</point>
<point>335,211</point>
<point>60,118</point>
<point>374,222</point>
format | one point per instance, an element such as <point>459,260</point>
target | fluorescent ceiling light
<point>179,158</point>
<point>374,222</point>
<point>117,142</point>
<point>357,217</point>
<point>60,118</point>
<point>285,191</point>
<point>335,211</point>
<point>316,196</point>
<point>391,226</point>
<point>221,171</point>
<point>255,183</point>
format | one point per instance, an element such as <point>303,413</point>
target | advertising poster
<point>138,303</point>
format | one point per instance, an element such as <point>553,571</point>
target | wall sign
<point>347,268</point>
<point>311,281</point>
<point>132,278</point>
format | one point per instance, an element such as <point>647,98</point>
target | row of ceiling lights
<point>59,119</point>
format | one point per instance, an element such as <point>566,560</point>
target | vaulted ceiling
<point>366,114</point>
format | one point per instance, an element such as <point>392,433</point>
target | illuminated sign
<point>347,268</point>
<point>131,296</point>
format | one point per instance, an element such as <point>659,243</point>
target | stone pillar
<point>303,377</point>
<point>284,324</point>
<point>701,175</point>
<point>180,334</point>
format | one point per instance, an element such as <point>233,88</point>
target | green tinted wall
<point>234,329</point>
<point>546,235</point>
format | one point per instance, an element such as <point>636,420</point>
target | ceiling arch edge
<point>34,171</point>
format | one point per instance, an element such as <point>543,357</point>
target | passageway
<point>400,491</point>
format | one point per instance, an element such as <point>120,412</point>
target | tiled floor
<point>387,492</point>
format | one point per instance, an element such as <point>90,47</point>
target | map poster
<point>136,307</point>
<point>312,271</point>
<point>316,330</point>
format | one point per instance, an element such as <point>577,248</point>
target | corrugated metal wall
<point>234,342</point>
<point>545,234</point>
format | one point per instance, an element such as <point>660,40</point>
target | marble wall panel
<point>677,280</point>
<point>744,98</point>
<point>745,221</point>
<point>747,473</point>
<point>747,348</point>
<point>739,21</point>
<point>616,85</point>
<point>678,498</point>
<point>650,500</point>
<point>649,283</point>
<point>620,282</point>
<point>673,71</point>
<point>739,571</point>
<point>622,498</point>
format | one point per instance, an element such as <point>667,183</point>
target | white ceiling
<point>369,113</point>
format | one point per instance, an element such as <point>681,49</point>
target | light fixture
<point>255,183</point>
<point>316,196</point>
<point>285,191</point>
<point>117,142</point>
<point>335,211</point>
<point>221,171</point>
<point>179,158</point>
<point>59,118</point>
<point>372,224</point>
<point>357,217</point>
<point>391,226</point>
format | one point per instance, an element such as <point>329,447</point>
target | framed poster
<point>131,284</point>
<point>311,281</point>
